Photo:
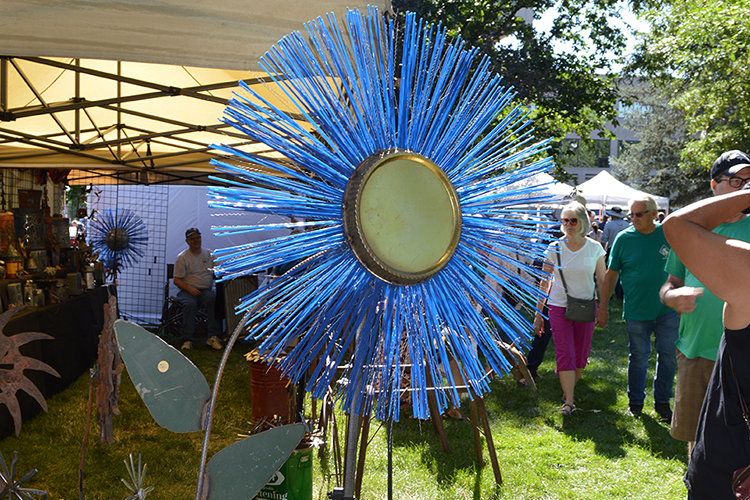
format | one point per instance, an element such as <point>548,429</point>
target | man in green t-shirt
<point>701,311</point>
<point>637,257</point>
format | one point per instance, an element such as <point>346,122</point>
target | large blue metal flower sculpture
<point>119,236</point>
<point>403,184</point>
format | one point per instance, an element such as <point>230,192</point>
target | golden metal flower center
<point>401,216</point>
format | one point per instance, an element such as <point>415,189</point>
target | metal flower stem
<point>390,459</point>
<point>350,464</point>
<point>212,403</point>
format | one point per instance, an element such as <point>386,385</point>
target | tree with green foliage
<point>574,91</point>
<point>653,163</point>
<point>698,52</point>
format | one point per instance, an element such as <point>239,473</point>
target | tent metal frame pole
<point>178,123</point>
<point>96,145</point>
<point>3,84</point>
<point>119,111</point>
<point>63,148</point>
<point>77,88</point>
<point>41,99</point>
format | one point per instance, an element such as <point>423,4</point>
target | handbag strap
<point>745,411</point>
<point>562,276</point>
<point>559,264</point>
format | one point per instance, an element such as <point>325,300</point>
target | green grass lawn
<point>598,452</point>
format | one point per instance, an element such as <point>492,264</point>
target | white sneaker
<point>187,345</point>
<point>215,343</point>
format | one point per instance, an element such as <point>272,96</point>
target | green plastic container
<point>293,481</point>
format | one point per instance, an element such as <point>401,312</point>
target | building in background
<point>586,160</point>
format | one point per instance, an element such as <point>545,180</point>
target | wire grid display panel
<point>140,287</point>
<point>13,179</point>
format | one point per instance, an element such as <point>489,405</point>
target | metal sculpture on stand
<point>119,236</point>
<point>404,188</point>
<point>404,184</point>
<point>12,365</point>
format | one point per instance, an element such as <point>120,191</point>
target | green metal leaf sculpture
<point>178,397</point>
<point>173,389</point>
<point>242,469</point>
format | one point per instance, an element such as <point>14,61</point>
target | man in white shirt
<point>193,275</point>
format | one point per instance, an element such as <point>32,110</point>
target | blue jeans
<point>191,304</point>
<point>665,329</point>
<point>539,345</point>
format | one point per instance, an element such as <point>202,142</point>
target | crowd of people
<point>682,284</point>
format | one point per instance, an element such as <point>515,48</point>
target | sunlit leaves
<point>700,51</point>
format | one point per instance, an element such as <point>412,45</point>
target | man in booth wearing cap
<point>701,311</point>
<point>193,275</point>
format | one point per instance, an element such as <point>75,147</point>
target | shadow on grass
<point>460,457</point>
<point>600,398</point>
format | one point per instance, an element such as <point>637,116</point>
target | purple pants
<point>572,340</point>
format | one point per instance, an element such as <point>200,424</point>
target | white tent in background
<point>542,185</point>
<point>605,190</point>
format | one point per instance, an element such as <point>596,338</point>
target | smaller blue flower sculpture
<point>119,236</point>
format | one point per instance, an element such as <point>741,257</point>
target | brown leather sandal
<point>567,409</point>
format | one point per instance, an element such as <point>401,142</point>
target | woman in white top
<point>581,258</point>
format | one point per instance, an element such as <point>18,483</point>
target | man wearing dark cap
<point>701,311</point>
<point>193,275</point>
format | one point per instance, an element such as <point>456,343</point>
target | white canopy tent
<point>607,191</point>
<point>224,34</point>
<point>542,185</point>
<point>134,90</point>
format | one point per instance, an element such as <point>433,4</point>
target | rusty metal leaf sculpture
<point>109,373</point>
<point>12,365</point>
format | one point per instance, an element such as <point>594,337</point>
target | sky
<point>545,23</point>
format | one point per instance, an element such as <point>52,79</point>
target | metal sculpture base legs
<point>358,429</point>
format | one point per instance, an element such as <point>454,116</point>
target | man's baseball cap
<point>191,231</point>
<point>729,163</point>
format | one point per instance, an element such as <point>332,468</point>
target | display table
<point>75,326</point>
